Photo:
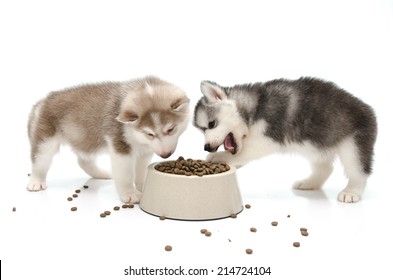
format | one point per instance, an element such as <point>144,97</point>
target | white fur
<point>42,163</point>
<point>129,179</point>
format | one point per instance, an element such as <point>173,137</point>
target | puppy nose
<point>166,155</point>
<point>208,148</point>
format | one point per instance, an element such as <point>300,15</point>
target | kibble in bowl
<point>188,189</point>
<point>190,167</point>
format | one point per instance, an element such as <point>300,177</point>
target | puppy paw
<point>131,196</point>
<point>348,197</point>
<point>36,186</point>
<point>306,185</point>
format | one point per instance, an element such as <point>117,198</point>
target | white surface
<point>46,45</point>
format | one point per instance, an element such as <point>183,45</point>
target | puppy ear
<point>212,91</point>
<point>180,104</point>
<point>127,116</point>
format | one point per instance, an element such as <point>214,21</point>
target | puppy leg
<point>123,171</point>
<point>42,156</point>
<point>88,164</point>
<point>320,172</point>
<point>353,167</point>
<point>141,170</point>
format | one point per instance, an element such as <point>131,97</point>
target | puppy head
<point>157,112</point>
<point>217,116</point>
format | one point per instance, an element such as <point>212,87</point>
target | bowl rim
<point>232,169</point>
<point>193,220</point>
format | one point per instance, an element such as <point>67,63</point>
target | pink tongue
<point>228,143</point>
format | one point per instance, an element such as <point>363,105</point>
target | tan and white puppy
<point>132,120</point>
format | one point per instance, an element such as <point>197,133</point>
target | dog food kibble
<point>102,215</point>
<point>208,233</point>
<point>162,218</point>
<point>75,195</point>
<point>191,167</point>
<point>168,248</point>
<point>78,191</point>
<point>127,206</point>
<point>296,244</point>
<point>304,231</point>
<point>274,223</point>
<point>203,231</point>
<point>233,216</point>
<point>253,229</point>
<point>85,186</point>
<point>248,206</point>
<point>249,251</point>
<point>107,213</point>
<point>74,208</point>
<point>14,209</point>
<point>116,208</point>
<point>69,198</point>
<point>288,216</point>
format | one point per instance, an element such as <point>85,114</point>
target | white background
<point>49,45</point>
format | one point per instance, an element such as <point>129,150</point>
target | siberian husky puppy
<point>129,119</point>
<point>309,116</point>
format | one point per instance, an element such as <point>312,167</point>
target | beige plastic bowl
<point>191,197</point>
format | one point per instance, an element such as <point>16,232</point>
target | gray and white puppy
<point>309,116</point>
<point>130,120</point>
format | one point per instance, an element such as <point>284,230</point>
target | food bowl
<point>193,198</point>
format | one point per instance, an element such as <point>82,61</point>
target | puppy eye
<point>150,135</point>
<point>211,124</point>
<point>170,131</point>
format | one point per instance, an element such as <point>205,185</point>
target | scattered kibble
<point>13,209</point>
<point>274,223</point>
<point>304,231</point>
<point>162,218</point>
<point>233,216</point>
<point>116,208</point>
<point>74,208</point>
<point>248,206</point>
<point>77,191</point>
<point>69,198</point>
<point>74,195</point>
<point>168,248</point>
<point>249,251</point>
<point>253,229</point>
<point>296,244</point>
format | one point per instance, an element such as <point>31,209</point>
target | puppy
<point>309,116</point>
<point>130,120</point>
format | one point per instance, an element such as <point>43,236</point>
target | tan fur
<point>91,117</point>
